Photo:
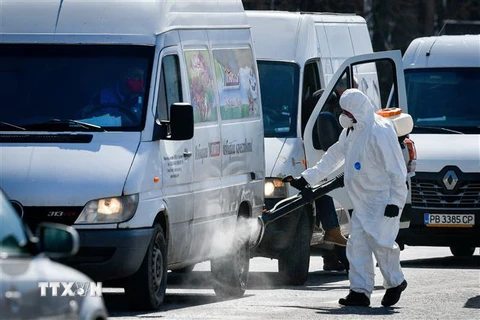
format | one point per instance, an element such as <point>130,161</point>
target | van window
<point>279,91</point>
<point>201,82</point>
<point>46,87</point>
<point>311,84</point>
<point>170,90</point>
<point>444,98</point>
<point>311,80</point>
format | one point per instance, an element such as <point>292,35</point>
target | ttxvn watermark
<point>70,289</point>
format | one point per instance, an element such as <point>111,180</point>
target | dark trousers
<point>325,213</point>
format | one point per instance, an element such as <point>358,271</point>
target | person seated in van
<point>124,99</point>
<point>310,103</point>
<point>333,104</point>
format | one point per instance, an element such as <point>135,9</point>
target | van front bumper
<point>418,234</point>
<point>110,254</point>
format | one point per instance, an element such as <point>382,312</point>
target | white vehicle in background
<point>155,187</point>
<point>442,76</point>
<point>298,54</point>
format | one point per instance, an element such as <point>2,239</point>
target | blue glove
<point>391,211</point>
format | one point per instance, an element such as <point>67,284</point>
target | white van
<point>140,124</point>
<point>298,54</point>
<point>442,76</point>
<point>301,59</point>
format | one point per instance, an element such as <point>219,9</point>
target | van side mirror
<point>57,240</point>
<point>327,130</point>
<point>180,125</point>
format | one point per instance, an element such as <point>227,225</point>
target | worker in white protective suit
<point>375,180</point>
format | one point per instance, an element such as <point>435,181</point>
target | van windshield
<point>444,99</point>
<point>279,90</point>
<point>74,87</point>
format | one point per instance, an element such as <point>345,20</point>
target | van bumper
<point>110,254</point>
<point>440,237</point>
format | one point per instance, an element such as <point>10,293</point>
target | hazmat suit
<point>375,176</point>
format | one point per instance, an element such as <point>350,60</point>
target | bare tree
<point>393,24</point>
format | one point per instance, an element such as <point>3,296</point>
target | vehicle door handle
<point>187,154</point>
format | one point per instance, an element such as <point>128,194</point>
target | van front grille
<point>64,215</point>
<point>429,193</point>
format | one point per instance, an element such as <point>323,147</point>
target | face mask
<point>345,121</point>
<point>135,86</point>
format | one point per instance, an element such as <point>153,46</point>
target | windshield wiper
<point>418,129</point>
<point>10,126</point>
<point>65,123</point>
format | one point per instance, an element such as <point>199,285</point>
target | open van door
<point>380,76</point>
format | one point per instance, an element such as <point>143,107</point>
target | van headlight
<point>109,210</point>
<point>275,188</point>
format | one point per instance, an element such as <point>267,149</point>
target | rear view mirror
<point>57,240</point>
<point>180,125</point>
<point>327,130</point>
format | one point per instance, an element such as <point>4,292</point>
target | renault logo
<point>450,180</point>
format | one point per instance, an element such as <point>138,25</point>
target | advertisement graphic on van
<point>201,85</point>
<point>237,84</point>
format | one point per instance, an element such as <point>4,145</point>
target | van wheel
<point>230,273</point>
<point>462,251</point>
<point>145,290</point>
<point>293,264</point>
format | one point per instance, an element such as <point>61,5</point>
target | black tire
<point>230,273</point>
<point>462,251</point>
<point>293,264</point>
<point>145,290</point>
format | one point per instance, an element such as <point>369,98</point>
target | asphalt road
<point>440,286</point>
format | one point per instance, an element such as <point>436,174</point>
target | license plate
<point>449,220</point>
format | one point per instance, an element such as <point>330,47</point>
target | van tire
<point>230,273</point>
<point>293,264</point>
<point>462,251</point>
<point>145,290</point>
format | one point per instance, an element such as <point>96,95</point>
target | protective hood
<point>358,104</point>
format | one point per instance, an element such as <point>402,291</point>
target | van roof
<point>292,36</point>
<point>443,52</point>
<point>135,22</point>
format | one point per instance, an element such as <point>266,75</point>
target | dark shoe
<point>393,294</point>
<point>331,262</point>
<point>332,265</point>
<point>355,299</point>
